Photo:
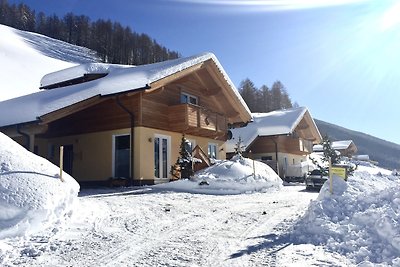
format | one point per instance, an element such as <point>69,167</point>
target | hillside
<point>384,152</point>
<point>26,57</point>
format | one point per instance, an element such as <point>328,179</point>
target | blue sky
<point>340,58</point>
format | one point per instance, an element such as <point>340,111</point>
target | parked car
<point>316,179</point>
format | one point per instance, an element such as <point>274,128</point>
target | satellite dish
<point>229,134</point>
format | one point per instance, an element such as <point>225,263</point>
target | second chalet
<point>283,139</point>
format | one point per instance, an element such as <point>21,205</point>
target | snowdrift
<point>32,197</point>
<point>359,220</point>
<point>230,177</point>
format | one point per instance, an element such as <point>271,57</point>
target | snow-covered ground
<point>151,226</point>
<point>26,57</point>
<point>238,219</point>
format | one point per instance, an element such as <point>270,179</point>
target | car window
<point>315,172</point>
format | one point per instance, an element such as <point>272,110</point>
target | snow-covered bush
<point>236,176</point>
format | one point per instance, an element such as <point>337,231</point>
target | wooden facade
<point>159,110</point>
<point>283,144</point>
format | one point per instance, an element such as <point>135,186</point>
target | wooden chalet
<point>282,139</point>
<point>346,148</point>
<point>127,122</point>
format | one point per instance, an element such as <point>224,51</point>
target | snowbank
<point>230,177</point>
<point>32,197</point>
<point>359,220</point>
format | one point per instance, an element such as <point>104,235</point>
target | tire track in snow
<point>134,244</point>
<point>262,240</point>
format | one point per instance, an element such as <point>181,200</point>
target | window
<point>50,151</point>
<point>266,158</point>
<point>212,151</point>
<point>121,155</point>
<point>188,99</point>
<point>190,145</point>
<point>162,151</point>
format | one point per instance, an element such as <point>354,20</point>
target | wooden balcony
<point>196,120</point>
<point>296,145</point>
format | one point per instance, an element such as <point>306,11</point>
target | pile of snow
<point>31,56</point>
<point>227,177</point>
<point>360,220</point>
<point>32,196</point>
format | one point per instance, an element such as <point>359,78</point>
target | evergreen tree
<point>112,42</point>
<point>265,95</point>
<point>329,152</point>
<point>239,147</point>
<point>285,99</point>
<point>185,159</point>
<point>276,95</point>
<point>248,92</point>
<point>265,99</point>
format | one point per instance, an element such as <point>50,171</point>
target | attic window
<point>189,99</point>
<point>83,79</point>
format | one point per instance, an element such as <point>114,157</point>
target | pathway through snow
<point>144,227</point>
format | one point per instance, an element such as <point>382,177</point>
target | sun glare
<point>276,4</point>
<point>391,17</point>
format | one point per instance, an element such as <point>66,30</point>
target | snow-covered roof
<point>119,79</point>
<point>278,122</point>
<point>338,145</point>
<point>79,71</point>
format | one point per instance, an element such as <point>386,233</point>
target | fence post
<point>330,176</point>
<point>61,162</point>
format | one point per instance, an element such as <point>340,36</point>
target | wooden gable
<point>158,107</point>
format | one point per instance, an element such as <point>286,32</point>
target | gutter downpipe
<point>27,137</point>
<point>132,121</point>
<point>276,155</point>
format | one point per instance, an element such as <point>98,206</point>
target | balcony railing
<point>192,118</point>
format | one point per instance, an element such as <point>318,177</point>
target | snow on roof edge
<point>229,81</point>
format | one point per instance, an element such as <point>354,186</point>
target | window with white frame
<point>212,150</point>
<point>190,144</point>
<point>189,99</point>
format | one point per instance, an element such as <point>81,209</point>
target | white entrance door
<point>162,146</point>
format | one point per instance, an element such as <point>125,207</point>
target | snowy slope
<point>26,57</point>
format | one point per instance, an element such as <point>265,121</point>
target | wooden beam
<point>61,113</point>
<point>140,116</point>
<point>154,90</point>
<point>201,81</point>
<point>176,76</point>
<point>214,91</point>
<point>216,74</point>
<point>31,129</point>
